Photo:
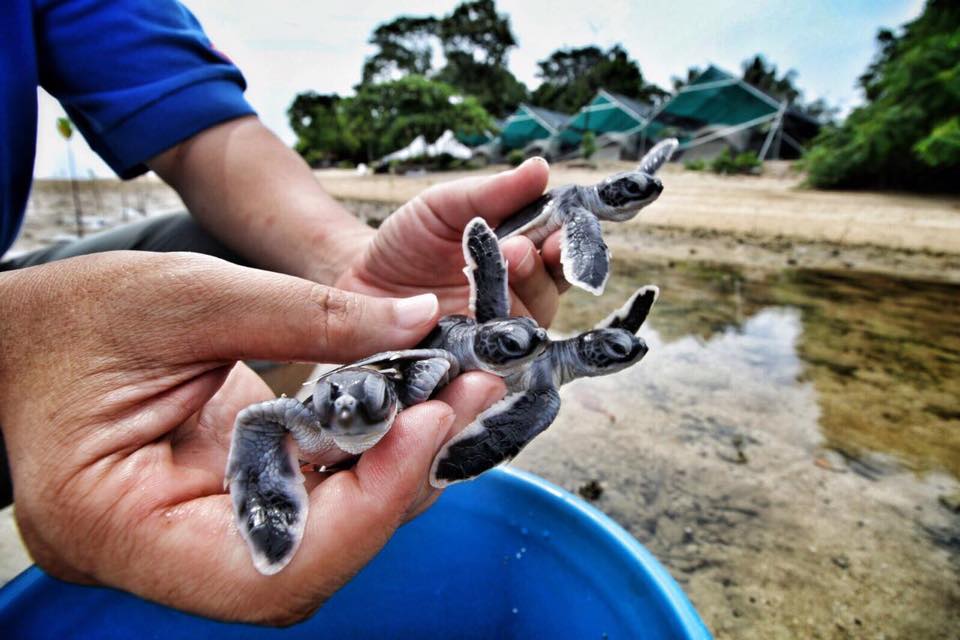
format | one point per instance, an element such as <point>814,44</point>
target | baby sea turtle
<point>533,400</point>
<point>352,408</point>
<point>578,211</point>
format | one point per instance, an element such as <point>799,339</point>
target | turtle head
<point>624,194</point>
<point>603,351</point>
<point>356,407</point>
<point>503,345</point>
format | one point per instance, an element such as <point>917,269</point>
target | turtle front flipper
<point>421,378</point>
<point>487,272</point>
<point>496,436</point>
<point>583,253</point>
<point>658,156</point>
<point>634,312</point>
<point>269,500</point>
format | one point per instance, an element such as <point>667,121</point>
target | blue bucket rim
<point>624,545</point>
<point>621,543</point>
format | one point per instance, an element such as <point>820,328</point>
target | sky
<point>288,46</point>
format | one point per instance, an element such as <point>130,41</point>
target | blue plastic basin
<point>506,556</point>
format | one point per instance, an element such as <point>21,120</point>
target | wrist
<point>333,245</point>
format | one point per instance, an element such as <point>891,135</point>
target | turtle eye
<point>510,345</point>
<point>632,187</point>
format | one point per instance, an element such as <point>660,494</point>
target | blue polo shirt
<point>135,76</point>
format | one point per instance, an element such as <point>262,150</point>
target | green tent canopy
<point>718,105</point>
<point>529,123</point>
<point>608,112</point>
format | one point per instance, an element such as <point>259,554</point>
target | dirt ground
<point>790,448</point>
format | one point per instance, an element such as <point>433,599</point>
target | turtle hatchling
<point>350,410</point>
<point>577,210</point>
<point>533,400</point>
<point>354,406</point>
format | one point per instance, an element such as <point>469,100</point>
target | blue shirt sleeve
<point>136,76</point>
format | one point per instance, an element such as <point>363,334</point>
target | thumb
<point>237,313</point>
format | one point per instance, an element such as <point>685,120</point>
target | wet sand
<point>790,447</point>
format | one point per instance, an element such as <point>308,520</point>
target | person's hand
<point>118,391</point>
<point>418,248</point>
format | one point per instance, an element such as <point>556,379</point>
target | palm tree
<point>65,127</point>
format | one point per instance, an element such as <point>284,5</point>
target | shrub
<point>695,165</point>
<point>589,144</point>
<point>515,157</point>
<point>728,164</point>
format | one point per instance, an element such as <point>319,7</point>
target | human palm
<point>418,248</point>
<point>118,392</point>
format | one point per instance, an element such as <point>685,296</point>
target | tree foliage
<point>389,115</point>
<point>762,74</point>
<point>907,135</point>
<point>475,28</point>
<point>380,118</point>
<point>475,42</point>
<point>679,82</point>
<point>405,45</point>
<point>572,76</point>
<point>323,134</point>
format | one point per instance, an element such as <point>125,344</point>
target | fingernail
<point>541,160</point>
<point>416,311</point>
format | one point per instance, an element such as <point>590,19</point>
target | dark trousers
<point>172,232</point>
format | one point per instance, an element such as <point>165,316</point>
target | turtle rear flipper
<point>487,272</point>
<point>496,436</point>
<point>269,500</point>
<point>658,155</point>
<point>634,312</point>
<point>583,253</point>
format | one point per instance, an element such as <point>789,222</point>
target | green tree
<point>476,29</point>
<point>494,87</point>
<point>762,74</point>
<point>907,135</point>
<point>475,41</point>
<point>572,76</point>
<point>405,45</point>
<point>387,116</point>
<point>679,82</point>
<point>323,134</point>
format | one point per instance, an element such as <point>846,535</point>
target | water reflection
<point>876,358</point>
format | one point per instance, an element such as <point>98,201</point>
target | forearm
<point>261,199</point>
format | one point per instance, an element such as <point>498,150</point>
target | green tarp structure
<point>529,123</point>
<point>608,112</point>
<point>476,139</point>
<point>718,104</point>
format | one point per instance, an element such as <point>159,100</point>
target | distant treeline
<point>430,74</point>
<point>907,135</point>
